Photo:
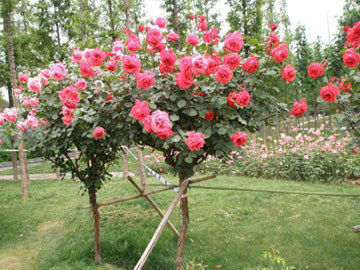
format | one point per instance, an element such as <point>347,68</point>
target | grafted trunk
<point>125,163</point>
<point>14,161</point>
<point>94,208</point>
<point>185,220</point>
<point>22,155</point>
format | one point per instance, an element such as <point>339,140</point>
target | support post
<point>161,226</point>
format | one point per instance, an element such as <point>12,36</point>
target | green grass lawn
<point>228,228</point>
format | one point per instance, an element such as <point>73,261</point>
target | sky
<point>314,14</point>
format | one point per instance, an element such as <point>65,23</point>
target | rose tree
<point>188,103</point>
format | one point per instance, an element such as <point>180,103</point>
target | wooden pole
<point>153,204</point>
<point>124,163</point>
<point>132,197</point>
<point>141,169</point>
<point>161,227</point>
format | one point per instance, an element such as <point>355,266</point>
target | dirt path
<point>42,176</point>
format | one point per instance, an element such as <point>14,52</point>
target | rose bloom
<point>239,138</point>
<point>69,97</point>
<point>32,122</point>
<point>251,64</point>
<point>76,56</point>
<point>329,93</point>
<point>184,80</point>
<point>202,25</point>
<point>167,57</point>
<point>131,64</point>
<point>299,108</point>
<point>10,115</point>
<point>147,123</point>
<point>233,42</point>
<point>195,141</point>
<point>209,116</point>
<point>172,37</point>
<point>193,40</point>
<point>231,99</point>
<point>351,58</point>
<point>224,74</point>
<point>22,126</point>
<point>280,53</point>
<point>86,70</point>
<point>232,60</point>
<point>288,73</point>
<point>160,122</point>
<point>2,119</point>
<point>81,84</point>
<point>34,101</point>
<point>145,80</point>
<point>153,36</point>
<point>97,57</point>
<point>211,36</point>
<point>46,73</point>
<point>185,64</point>
<point>67,119</point>
<point>140,110</point>
<point>26,102</point>
<point>165,69</point>
<point>353,35</point>
<point>141,28</point>
<point>98,132</point>
<point>199,64</point>
<point>111,65</point>
<point>34,84</point>
<point>57,73</point>
<point>243,98</point>
<point>315,70</point>
<point>273,27</point>
<point>133,43</point>
<point>165,134</point>
<point>22,78</point>
<point>161,22</point>
<point>345,87</point>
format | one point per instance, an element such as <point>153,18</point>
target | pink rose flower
<point>98,132</point>
<point>140,110</point>
<point>195,141</point>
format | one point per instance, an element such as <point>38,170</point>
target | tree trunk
<point>58,176</point>
<point>94,207</point>
<point>176,17</point>
<point>82,24</point>
<point>14,161</point>
<point>125,164</point>
<point>185,220</point>
<point>22,156</point>
<point>127,15</point>
<point>111,16</point>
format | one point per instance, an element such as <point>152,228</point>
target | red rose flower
<point>231,99</point>
<point>145,80</point>
<point>223,74</point>
<point>209,116</point>
<point>193,40</point>
<point>351,58</point>
<point>329,93</point>
<point>130,64</point>
<point>184,80</point>
<point>232,60</point>
<point>239,138</point>
<point>273,27</point>
<point>345,87</point>
<point>280,53</point>
<point>233,42</point>
<point>243,98</point>
<point>140,110</point>
<point>86,70</point>
<point>97,57</point>
<point>299,108</point>
<point>288,73</point>
<point>251,64</point>
<point>315,70</point>
<point>195,141</point>
<point>98,132</point>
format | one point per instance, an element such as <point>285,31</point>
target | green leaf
<point>222,131</point>
<point>188,160</point>
<point>176,138</point>
<point>192,112</point>
<point>181,103</point>
<point>174,117</point>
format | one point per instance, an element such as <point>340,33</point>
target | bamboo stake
<point>161,227</point>
<point>153,204</point>
<point>132,197</point>
<point>141,169</point>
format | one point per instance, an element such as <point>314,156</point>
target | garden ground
<point>228,228</point>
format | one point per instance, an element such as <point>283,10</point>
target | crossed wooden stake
<point>165,217</point>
